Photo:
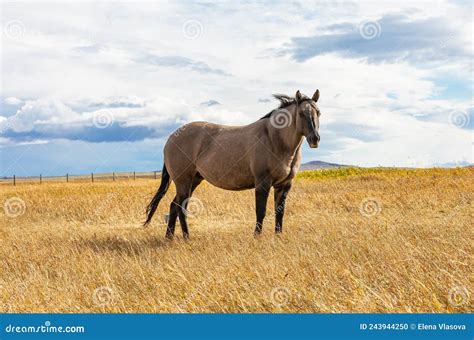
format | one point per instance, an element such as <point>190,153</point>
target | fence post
<point>113,176</point>
<point>67,178</point>
<point>41,179</point>
<point>14,180</point>
<point>154,173</point>
<point>92,177</point>
<point>134,175</point>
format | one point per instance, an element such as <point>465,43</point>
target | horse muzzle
<point>313,140</point>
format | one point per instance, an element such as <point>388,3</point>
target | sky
<point>99,86</point>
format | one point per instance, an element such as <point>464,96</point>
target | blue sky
<point>99,86</point>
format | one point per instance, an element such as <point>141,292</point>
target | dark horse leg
<point>262,189</point>
<point>172,218</point>
<point>280,197</point>
<point>183,192</point>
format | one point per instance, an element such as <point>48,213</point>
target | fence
<point>92,177</point>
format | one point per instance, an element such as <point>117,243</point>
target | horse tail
<point>165,184</point>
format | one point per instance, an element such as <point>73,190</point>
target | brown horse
<point>260,155</point>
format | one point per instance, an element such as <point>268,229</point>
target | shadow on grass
<point>122,245</point>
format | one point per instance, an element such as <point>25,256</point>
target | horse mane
<point>285,101</point>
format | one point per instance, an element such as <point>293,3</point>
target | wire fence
<point>71,178</point>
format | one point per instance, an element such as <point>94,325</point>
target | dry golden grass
<point>79,247</point>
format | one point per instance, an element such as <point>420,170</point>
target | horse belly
<point>232,184</point>
<point>229,170</point>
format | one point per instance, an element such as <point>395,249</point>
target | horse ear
<point>316,96</point>
<point>298,96</point>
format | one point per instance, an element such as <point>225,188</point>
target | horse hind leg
<point>184,191</point>
<point>174,208</point>
<point>197,179</point>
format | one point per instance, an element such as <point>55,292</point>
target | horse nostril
<point>318,138</point>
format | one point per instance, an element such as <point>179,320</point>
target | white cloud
<point>76,61</point>
<point>108,119</point>
<point>12,101</point>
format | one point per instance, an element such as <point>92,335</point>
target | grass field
<point>354,240</point>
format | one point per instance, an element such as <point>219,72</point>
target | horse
<point>261,155</point>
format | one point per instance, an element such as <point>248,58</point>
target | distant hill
<point>320,165</point>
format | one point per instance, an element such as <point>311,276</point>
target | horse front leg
<point>262,189</point>
<point>280,198</point>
